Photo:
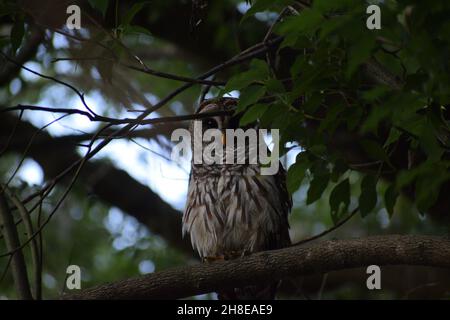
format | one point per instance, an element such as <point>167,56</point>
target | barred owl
<point>232,210</point>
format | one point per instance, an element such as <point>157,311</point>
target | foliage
<point>331,91</point>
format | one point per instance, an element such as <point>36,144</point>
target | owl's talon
<point>213,259</point>
<point>234,254</point>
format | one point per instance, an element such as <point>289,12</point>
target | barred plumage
<point>233,210</point>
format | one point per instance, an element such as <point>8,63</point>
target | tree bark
<point>267,266</point>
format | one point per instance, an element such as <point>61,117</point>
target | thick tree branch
<point>266,266</point>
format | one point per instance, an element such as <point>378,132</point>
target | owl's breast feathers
<point>234,209</point>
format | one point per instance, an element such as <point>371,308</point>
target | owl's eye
<point>210,123</point>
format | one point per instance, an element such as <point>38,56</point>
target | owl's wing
<point>283,239</point>
<point>275,230</point>
<point>284,194</point>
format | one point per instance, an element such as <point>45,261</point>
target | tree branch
<point>18,267</point>
<point>113,121</point>
<point>25,216</point>
<point>267,266</point>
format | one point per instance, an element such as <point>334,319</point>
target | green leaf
<point>8,8</point>
<point>368,196</point>
<point>428,186</point>
<point>275,86</point>
<point>339,200</point>
<point>296,173</point>
<point>339,168</point>
<point>136,30</point>
<point>17,33</point>
<point>253,114</point>
<point>359,53</point>
<point>306,23</point>
<point>313,103</point>
<point>258,72</point>
<point>394,135</point>
<point>130,14</point>
<point>377,114</point>
<point>319,150</point>
<point>332,118</point>
<point>406,177</point>
<point>100,5</point>
<point>250,96</point>
<point>429,142</point>
<point>317,187</point>
<point>260,67</point>
<point>326,6</point>
<point>427,192</point>
<point>390,197</point>
<point>375,93</point>
<point>331,25</point>
<point>374,150</point>
<point>273,112</point>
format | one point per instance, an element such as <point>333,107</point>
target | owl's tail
<point>266,292</point>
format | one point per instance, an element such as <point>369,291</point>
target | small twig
<point>78,92</point>
<point>5,272</point>
<point>147,70</point>
<point>24,154</point>
<point>41,248</point>
<point>269,33</point>
<point>159,155</point>
<point>113,121</point>
<point>320,235</point>
<point>13,132</point>
<point>21,107</point>
<point>173,76</point>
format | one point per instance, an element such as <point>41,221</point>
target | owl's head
<point>224,118</point>
<point>224,121</point>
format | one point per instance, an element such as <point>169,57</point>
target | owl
<point>232,210</point>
